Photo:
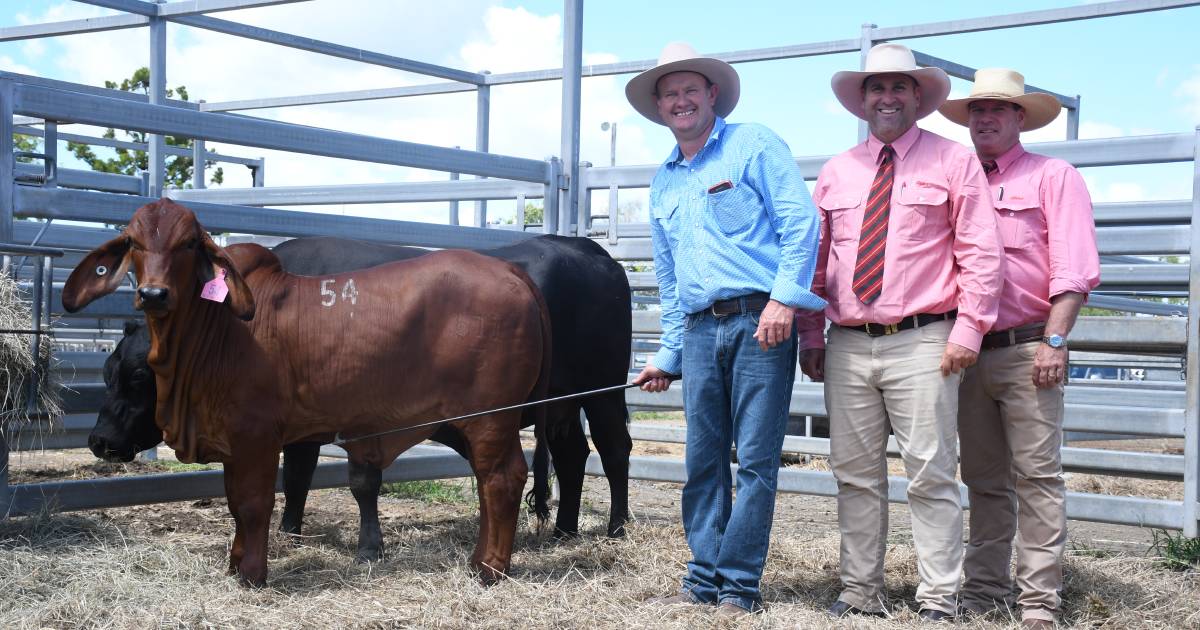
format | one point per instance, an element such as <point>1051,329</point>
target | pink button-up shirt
<point>943,248</point>
<point>1045,217</point>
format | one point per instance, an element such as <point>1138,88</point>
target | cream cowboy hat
<point>886,59</point>
<point>1002,84</point>
<point>681,57</point>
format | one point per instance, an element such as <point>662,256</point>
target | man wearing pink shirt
<point>1011,401</point>
<point>911,265</point>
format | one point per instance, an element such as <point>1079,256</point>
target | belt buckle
<point>891,329</point>
<point>713,310</point>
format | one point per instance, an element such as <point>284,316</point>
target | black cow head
<point>125,425</point>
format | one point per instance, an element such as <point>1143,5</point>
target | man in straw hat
<point>911,265</point>
<point>735,239</point>
<point>1011,402</point>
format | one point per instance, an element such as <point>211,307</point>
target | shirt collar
<point>677,155</point>
<point>1013,154</point>
<point>901,145</point>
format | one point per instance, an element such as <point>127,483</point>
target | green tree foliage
<point>25,143</point>
<point>127,162</point>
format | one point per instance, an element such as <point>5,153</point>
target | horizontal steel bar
<point>1149,276</point>
<point>79,88</point>
<point>327,48</point>
<point>88,494</point>
<point>19,248</point>
<point>1028,18</point>
<point>1091,460</point>
<point>337,97</point>
<point>1152,149</point>
<point>71,27</point>
<point>196,7</point>
<point>1143,212</point>
<point>267,134</point>
<point>968,73</point>
<point>62,236</point>
<point>442,190</point>
<point>139,146</point>
<point>92,180</point>
<point>1080,506</point>
<point>79,205</point>
<point>138,7</point>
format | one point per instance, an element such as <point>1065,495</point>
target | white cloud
<point>1189,92</point>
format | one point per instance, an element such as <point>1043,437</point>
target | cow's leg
<point>569,450</point>
<point>365,481</point>
<point>299,462</point>
<point>501,472</point>
<point>609,421</point>
<point>250,489</point>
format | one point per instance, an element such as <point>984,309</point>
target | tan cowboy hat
<point>681,57</point>
<point>886,59</point>
<point>1002,84</point>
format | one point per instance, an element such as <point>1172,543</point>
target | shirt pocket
<point>734,210</point>
<point>926,213</point>
<point>841,211</point>
<point>1020,219</point>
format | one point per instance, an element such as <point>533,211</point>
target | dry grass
<point>19,366</point>
<point>162,566</point>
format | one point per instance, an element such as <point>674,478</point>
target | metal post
<point>865,47</point>
<point>614,214</point>
<point>572,72</point>
<point>583,222</point>
<point>260,173</point>
<point>35,343</point>
<point>551,198</point>
<point>7,186</point>
<point>1191,431</point>
<point>198,160</point>
<point>158,96</point>
<point>1073,120</point>
<point>50,149</point>
<point>520,220</point>
<point>453,218</point>
<point>483,116</point>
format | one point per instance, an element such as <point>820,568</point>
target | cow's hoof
<point>617,531</point>
<point>368,555</point>
<point>252,582</point>
<point>563,534</point>
<point>488,577</point>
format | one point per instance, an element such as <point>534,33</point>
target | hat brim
<point>934,84</point>
<point>1040,109</point>
<point>640,89</point>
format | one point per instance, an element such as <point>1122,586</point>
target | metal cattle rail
<point>1126,231</point>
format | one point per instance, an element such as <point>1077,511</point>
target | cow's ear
<point>98,274</point>
<point>240,300</point>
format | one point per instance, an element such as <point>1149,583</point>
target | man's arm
<point>979,256</point>
<point>1050,364</point>
<point>669,358</point>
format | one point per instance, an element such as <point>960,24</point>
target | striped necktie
<point>872,239</point>
<point>990,167</point>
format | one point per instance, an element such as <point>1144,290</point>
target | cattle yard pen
<point>1154,334</point>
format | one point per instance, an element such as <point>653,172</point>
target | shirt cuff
<point>669,361</point>
<point>1069,284</point>
<point>811,339</point>
<point>965,336</point>
<point>796,296</point>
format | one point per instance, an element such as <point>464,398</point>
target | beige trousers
<point>871,384</point>
<point>1010,433</point>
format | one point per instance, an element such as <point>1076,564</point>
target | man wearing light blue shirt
<point>735,238</point>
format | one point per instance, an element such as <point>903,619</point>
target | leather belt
<point>1013,336</point>
<point>744,304</point>
<point>912,321</point>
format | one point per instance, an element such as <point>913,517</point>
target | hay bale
<point>19,366</point>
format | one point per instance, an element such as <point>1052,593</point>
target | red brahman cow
<point>319,356</point>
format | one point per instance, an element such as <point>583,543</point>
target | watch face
<point>1055,341</point>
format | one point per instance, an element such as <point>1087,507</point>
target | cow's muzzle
<point>153,298</point>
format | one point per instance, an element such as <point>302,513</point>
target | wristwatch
<point>1055,341</point>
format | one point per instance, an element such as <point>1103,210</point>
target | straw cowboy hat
<point>681,57</point>
<point>1002,84</point>
<point>887,59</point>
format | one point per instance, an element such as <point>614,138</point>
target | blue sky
<point>1137,74</point>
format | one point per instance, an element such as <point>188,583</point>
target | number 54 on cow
<point>329,295</point>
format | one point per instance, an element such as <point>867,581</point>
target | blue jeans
<point>733,392</point>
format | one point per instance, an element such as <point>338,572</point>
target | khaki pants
<point>1010,433</point>
<point>872,383</point>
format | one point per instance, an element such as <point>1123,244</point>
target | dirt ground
<point>162,566</point>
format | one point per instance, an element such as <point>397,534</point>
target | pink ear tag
<point>215,289</point>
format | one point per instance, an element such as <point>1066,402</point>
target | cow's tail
<point>538,499</point>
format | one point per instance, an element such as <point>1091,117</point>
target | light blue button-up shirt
<point>758,236</point>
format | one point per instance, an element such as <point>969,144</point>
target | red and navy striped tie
<point>872,239</point>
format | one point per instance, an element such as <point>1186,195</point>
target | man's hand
<point>1049,366</point>
<point>653,379</point>
<point>775,324</point>
<point>957,358</point>
<point>812,363</point>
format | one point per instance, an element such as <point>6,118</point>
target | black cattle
<point>588,298</point>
